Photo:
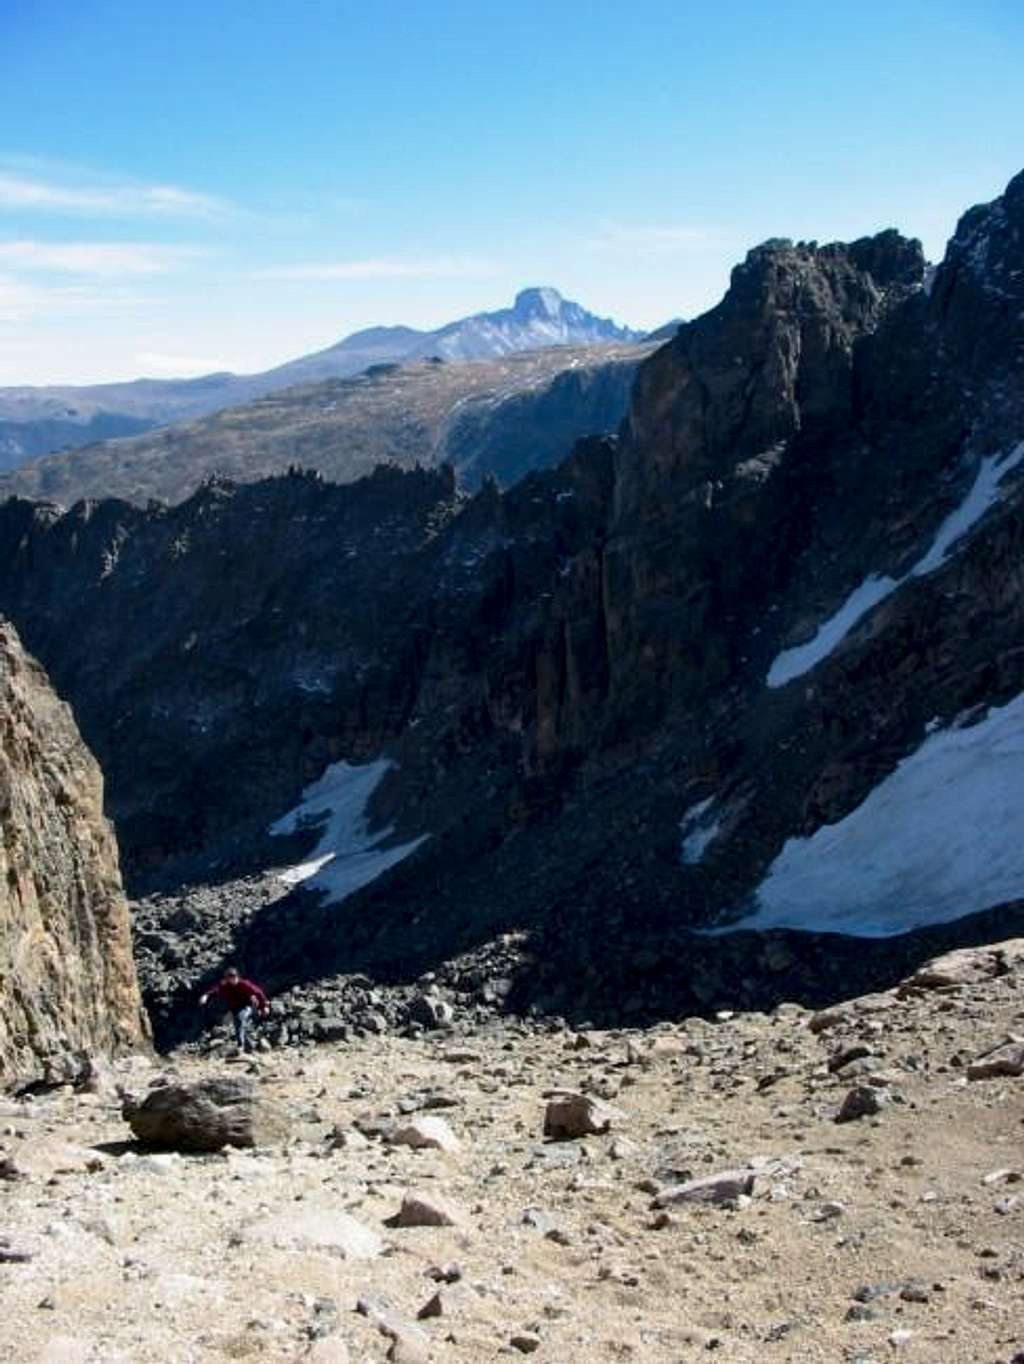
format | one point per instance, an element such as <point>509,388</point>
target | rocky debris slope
<point>66,970</point>
<point>708,1202</point>
<point>605,703</point>
<point>503,416</point>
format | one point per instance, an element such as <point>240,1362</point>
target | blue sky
<point>205,185</point>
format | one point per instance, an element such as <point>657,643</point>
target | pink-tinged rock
<point>427,1210</point>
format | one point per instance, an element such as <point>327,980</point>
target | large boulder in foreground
<point>206,1116</point>
<point>67,976</point>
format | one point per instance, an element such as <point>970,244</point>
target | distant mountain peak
<point>543,302</point>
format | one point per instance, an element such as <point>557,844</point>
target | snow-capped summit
<point>540,316</point>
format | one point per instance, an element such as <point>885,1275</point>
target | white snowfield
<point>348,856</point>
<point>699,828</point>
<point>942,836</point>
<point>983,494</point>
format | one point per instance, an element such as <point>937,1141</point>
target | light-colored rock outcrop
<point>67,978</point>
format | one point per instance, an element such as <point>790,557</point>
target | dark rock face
<point>562,670</point>
<point>66,965</point>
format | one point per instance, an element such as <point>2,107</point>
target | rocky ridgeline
<point>839,1185</point>
<point>66,970</point>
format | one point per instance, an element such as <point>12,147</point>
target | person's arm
<point>209,994</point>
<point>258,997</point>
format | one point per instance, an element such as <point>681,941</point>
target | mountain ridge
<point>503,417</point>
<point>527,325</point>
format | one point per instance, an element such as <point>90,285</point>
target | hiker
<point>241,996</point>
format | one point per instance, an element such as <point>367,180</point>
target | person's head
<point>232,974</point>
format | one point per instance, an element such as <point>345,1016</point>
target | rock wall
<point>67,978</point>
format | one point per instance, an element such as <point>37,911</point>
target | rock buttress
<point>67,977</point>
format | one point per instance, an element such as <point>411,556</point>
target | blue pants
<point>242,1019</point>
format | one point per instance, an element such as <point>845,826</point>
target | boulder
<point>725,1187</point>
<point>1006,1059</point>
<point>577,1115</point>
<point>430,1010</point>
<point>966,966</point>
<point>206,1115</point>
<point>426,1210</point>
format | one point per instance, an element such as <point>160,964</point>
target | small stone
<point>569,1116</point>
<point>862,1101</point>
<point>425,1133</point>
<point>450,1273</point>
<point>433,1307</point>
<point>427,1210</point>
<point>1002,1177</point>
<point>838,1060</point>
<point>859,1311</point>
<point>525,1342</point>
<point>827,1212</point>
<point>915,1292</point>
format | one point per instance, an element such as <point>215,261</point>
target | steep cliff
<point>67,979</point>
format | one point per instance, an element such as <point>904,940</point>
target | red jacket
<point>238,994</point>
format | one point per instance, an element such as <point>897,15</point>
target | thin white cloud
<point>382,268</point>
<point>656,239</point>
<point>180,366</point>
<point>95,258</point>
<point>103,198</point>
<point>22,300</point>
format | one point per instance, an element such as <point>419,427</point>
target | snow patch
<point>939,838</point>
<point>347,856</point>
<point>983,494</point>
<point>699,831</point>
<point>795,662</point>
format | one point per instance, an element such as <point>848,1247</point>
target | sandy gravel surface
<point>899,1235</point>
